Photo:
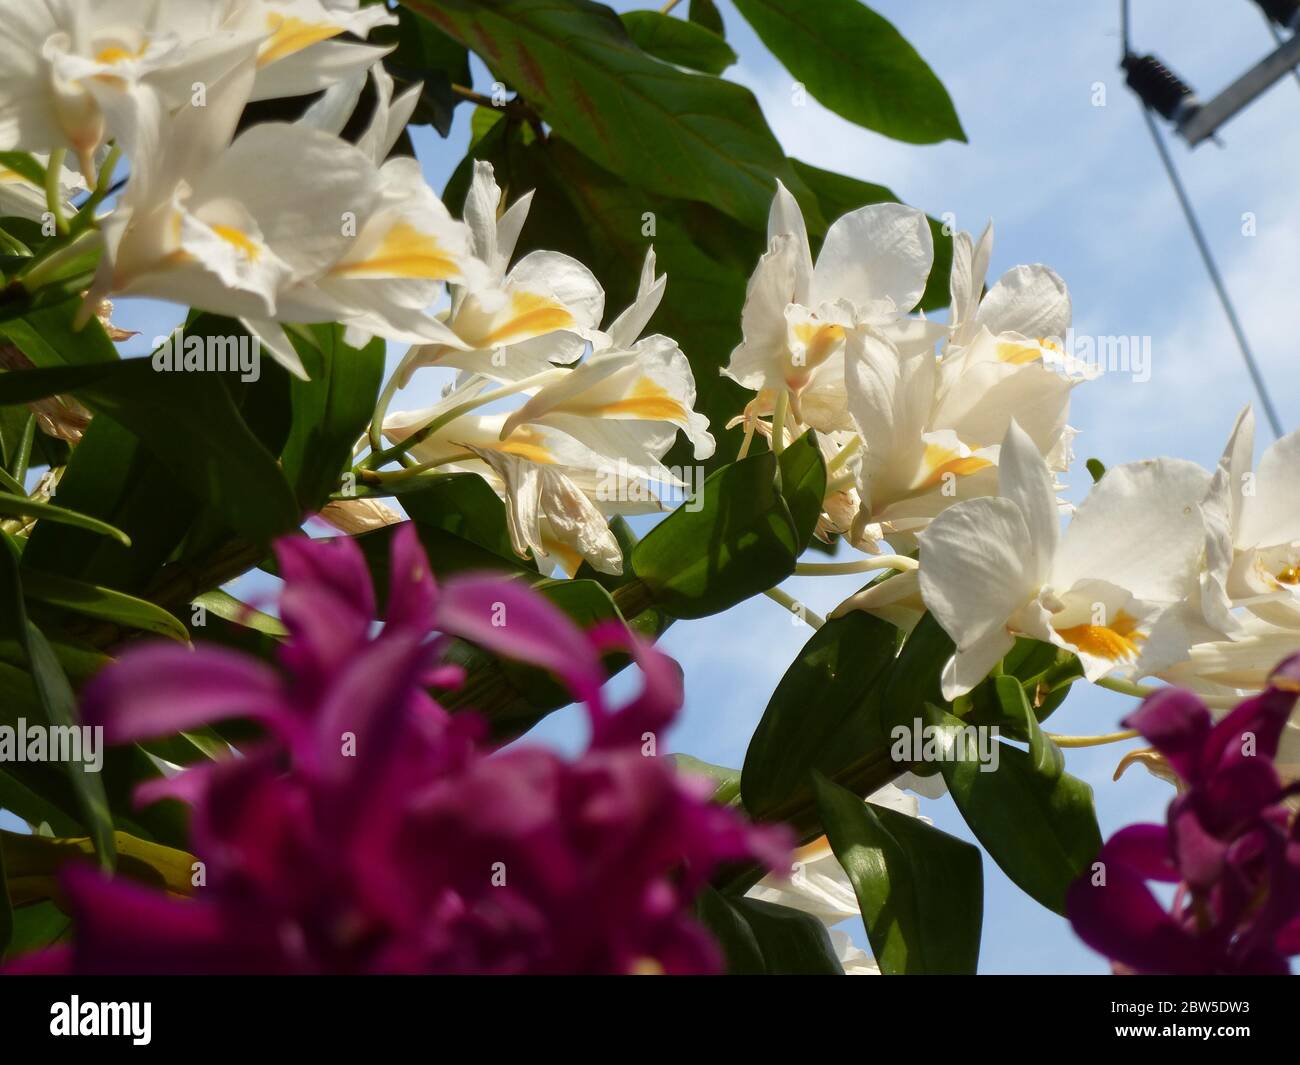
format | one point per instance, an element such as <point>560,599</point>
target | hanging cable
<point>1159,89</point>
<point>1265,400</point>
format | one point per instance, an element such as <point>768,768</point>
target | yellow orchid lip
<point>404,252</point>
<point>530,315</point>
<point>290,34</point>
<point>1115,642</point>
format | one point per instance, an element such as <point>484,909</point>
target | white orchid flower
<point>995,568</point>
<point>511,323</point>
<point>558,492</point>
<point>1029,300</point>
<point>61,61</point>
<point>872,269</point>
<point>999,377</point>
<point>631,396</point>
<point>199,223</point>
<point>299,51</point>
<point>909,472</point>
<point>1253,557</point>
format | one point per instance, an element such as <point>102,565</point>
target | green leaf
<point>1096,469</point>
<point>803,485</point>
<point>705,13</point>
<point>113,477</point>
<point>56,699</point>
<point>1044,756</point>
<point>837,194</point>
<point>330,411</point>
<point>921,891</point>
<point>95,601</point>
<point>22,507</point>
<point>39,925</point>
<point>676,41</point>
<point>726,781</point>
<point>465,505</point>
<point>188,421</point>
<point>1042,832</point>
<point>741,541</point>
<point>824,715</point>
<point>426,55</point>
<point>25,165</point>
<point>858,65</point>
<point>662,129</point>
<point>6,909</point>
<point>761,938</point>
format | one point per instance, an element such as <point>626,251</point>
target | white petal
<point>883,251</point>
<point>1030,300</point>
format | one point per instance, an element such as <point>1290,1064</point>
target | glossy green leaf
<point>761,938</point>
<point>664,130</point>
<point>741,541</point>
<point>824,715</point>
<point>705,13</point>
<point>858,65</point>
<point>95,601</point>
<point>330,411</point>
<point>1042,832</point>
<point>25,165</point>
<point>12,506</point>
<point>676,41</point>
<point>190,423</point>
<point>426,55</point>
<point>1044,756</point>
<point>114,477</point>
<point>921,891</point>
<point>803,485</point>
<point>6,908</point>
<point>57,702</point>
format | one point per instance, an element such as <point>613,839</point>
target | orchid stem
<point>668,6</point>
<point>795,607</point>
<point>1141,691</point>
<point>778,421</point>
<point>865,565</point>
<point>846,453</point>
<point>378,458</point>
<point>1092,741</point>
<point>53,195</point>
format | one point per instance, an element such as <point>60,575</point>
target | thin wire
<point>1213,270</point>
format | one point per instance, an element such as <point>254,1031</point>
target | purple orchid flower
<point>1230,844</point>
<point>372,831</point>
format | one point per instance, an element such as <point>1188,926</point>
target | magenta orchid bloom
<point>372,831</point>
<point>1230,843</point>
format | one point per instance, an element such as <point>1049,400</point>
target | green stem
<point>846,453</point>
<point>378,458</point>
<point>86,214</point>
<point>1092,741</point>
<point>778,421</point>
<point>865,565</point>
<point>795,607</point>
<point>53,196</point>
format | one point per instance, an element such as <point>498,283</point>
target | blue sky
<point>1079,187</point>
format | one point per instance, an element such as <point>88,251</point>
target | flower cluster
<point>1231,844</point>
<point>356,237</point>
<point>371,831</point>
<point>948,441</point>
